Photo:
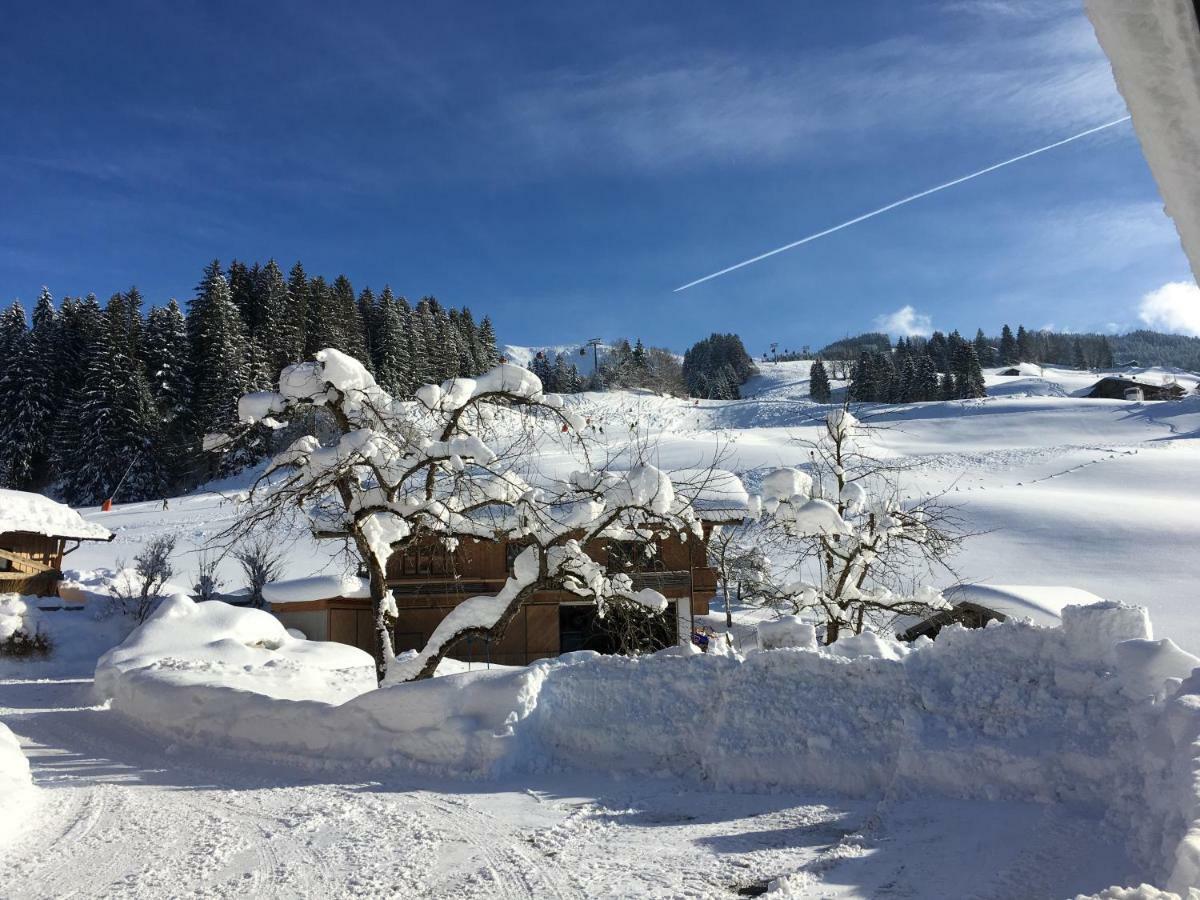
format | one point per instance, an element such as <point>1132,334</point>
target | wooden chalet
<point>975,605</point>
<point>35,534</point>
<point>1119,387</point>
<point>429,581</point>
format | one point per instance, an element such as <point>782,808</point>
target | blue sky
<point>563,166</point>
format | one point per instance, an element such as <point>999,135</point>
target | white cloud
<point>905,322</point>
<point>1174,307</point>
<point>1043,77</point>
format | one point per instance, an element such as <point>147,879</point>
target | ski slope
<point>1102,495</point>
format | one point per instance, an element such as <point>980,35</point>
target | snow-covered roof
<point>319,587</point>
<point>717,495</point>
<point>28,513</point>
<point>1041,604</point>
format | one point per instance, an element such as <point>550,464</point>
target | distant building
<point>34,535</point>
<point>428,581</point>
<point>975,605</point>
<point>1119,387</point>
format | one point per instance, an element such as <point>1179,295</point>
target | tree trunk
<point>495,633</point>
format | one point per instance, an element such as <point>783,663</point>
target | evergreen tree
<point>167,361</point>
<point>293,335</point>
<point>347,329</point>
<point>29,395</point>
<point>1025,351</point>
<point>1078,359</point>
<point>818,382</point>
<point>925,380</point>
<point>220,354</point>
<point>489,353</point>
<point>114,424</point>
<point>279,337</point>
<point>13,326</point>
<point>984,350</point>
<point>938,349</point>
<point>968,374</point>
<point>1008,347</point>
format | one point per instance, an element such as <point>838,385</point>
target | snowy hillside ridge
<point>21,511</point>
<point>17,793</point>
<point>1052,715</point>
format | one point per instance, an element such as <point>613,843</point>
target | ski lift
<point>564,428</point>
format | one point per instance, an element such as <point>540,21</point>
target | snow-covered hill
<point>1061,489</point>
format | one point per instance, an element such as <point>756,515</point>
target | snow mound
<point>17,793</point>
<point>319,587</point>
<point>1045,712</point>
<point>28,513</point>
<point>185,643</point>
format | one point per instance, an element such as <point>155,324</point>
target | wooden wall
<point>26,574</point>
<point>429,582</point>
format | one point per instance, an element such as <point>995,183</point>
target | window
<point>632,556</point>
<point>427,559</point>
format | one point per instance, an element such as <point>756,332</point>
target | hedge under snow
<point>1093,714</point>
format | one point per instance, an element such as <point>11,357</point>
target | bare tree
<point>848,524</point>
<point>739,554</point>
<point>208,582</point>
<point>136,591</point>
<point>261,563</point>
<point>452,465</point>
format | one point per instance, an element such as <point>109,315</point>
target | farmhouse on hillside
<point>1119,387</point>
<point>975,605</point>
<point>34,534</point>
<point>428,581</point>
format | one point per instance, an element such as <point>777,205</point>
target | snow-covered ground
<point>1100,495</point>
<point>671,776</point>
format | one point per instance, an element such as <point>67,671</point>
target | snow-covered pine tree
<point>473,355</point>
<point>968,375</point>
<point>1008,347</point>
<point>321,326</point>
<point>984,349</point>
<point>925,380</point>
<point>29,396</point>
<point>220,354</point>
<point>293,336</point>
<point>394,367</point>
<point>166,355</point>
<point>279,335</point>
<point>1025,350</point>
<point>424,332</point>
<point>115,424</point>
<point>349,322</point>
<point>818,382</point>
<point>368,312</point>
<point>489,352</point>
<point>13,326</point>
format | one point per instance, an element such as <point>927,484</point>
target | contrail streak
<point>890,206</point>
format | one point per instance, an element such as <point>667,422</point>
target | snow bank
<point>17,793</point>
<point>1011,712</point>
<point>34,514</point>
<point>319,587</point>
<point>189,644</point>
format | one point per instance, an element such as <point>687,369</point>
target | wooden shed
<point>1119,387</point>
<point>428,581</point>
<point>975,605</point>
<point>35,534</point>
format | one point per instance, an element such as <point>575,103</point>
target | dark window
<point>427,559</point>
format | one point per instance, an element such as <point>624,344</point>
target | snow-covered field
<point>1100,495</point>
